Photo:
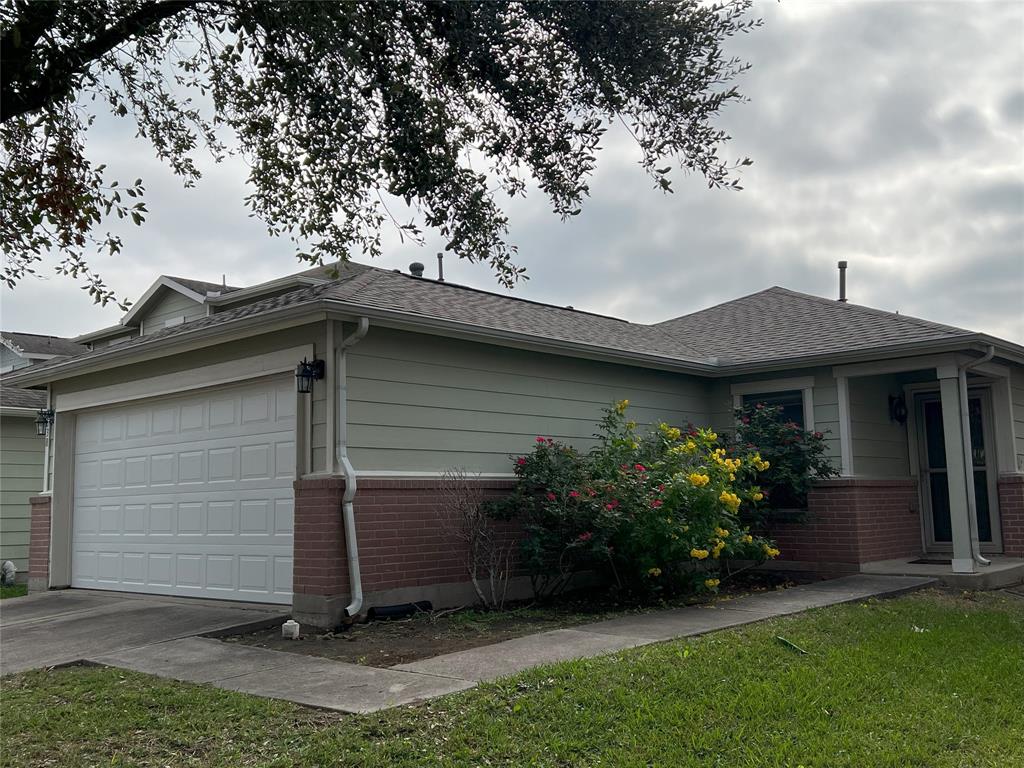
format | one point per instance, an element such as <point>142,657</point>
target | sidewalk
<point>360,689</point>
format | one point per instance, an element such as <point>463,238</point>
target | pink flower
<point>818,435</point>
<point>541,439</point>
<point>661,488</point>
<point>639,467</point>
<point>591,492</point>
<point>586,536</point>
<point>574,494</point>
<point>657,503</point>
<point>551,496</point>
<point>745,419</point>
<point>521,460</point>
<point>612,504</point>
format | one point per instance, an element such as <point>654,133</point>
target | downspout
<point>341,452</point>
<point>965,422</point>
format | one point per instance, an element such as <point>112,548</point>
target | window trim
<point>803,383</point>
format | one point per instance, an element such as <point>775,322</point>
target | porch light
<point>306,373</point>
<point>898,409</point>
<point>44,418</point>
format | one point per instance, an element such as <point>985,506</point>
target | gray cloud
<point>885,134</point>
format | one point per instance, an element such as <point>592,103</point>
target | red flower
<point>818,435</point>
<point>661,488</point>
<point>587,536</point>
<point>657,503</point>
<point>612,504</point>
<point>521,460</point>
<point>551,496</point>
<point>639,467</point>
<point>574,494</point>
<point>591,492</point>
<point>541,439</point>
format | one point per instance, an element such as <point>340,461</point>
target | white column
<point>956,470</point>
<point>330,384</point>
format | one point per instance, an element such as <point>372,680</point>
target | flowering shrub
<point>797,457</point>
<point>654,512</point>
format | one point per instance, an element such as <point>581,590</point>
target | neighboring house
<point>21,471</point>
<point>185,462</point>
<point>18,350</point>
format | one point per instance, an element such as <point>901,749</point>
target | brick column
<point>855,520</point>
<point>1011,513</point>
<point>39,544</point>
<point>320,567</point>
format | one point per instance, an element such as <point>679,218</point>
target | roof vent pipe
<point>440,267</point>
<point>416,269</point>
<point>842,281</point>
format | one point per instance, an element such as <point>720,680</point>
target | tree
<point>338,107</point>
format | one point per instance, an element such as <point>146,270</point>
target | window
<point>791,401</point>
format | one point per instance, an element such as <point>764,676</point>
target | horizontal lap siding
<point>21,471</point>
<point>1017,397</point>
<point>420,403</point>
<point>879,444</point>
<point>171,306</point>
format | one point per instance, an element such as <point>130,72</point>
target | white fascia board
<point>242,294</point>
<point>10,410</point>
<point>103,333</point>
<point>162,282</point>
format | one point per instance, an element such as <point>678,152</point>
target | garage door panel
<point>189,496</point>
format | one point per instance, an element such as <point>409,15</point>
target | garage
<point>188,495</point>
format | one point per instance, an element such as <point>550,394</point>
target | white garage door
<point>189,495</point>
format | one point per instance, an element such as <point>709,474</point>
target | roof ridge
<point>715,306</point>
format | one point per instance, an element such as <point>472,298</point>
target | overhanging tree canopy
<point>337,105</point>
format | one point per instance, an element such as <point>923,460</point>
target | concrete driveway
<point>63,626</point>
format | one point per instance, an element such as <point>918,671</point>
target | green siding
<point>21,471</point>
<point>880,447</point>
<point>169,306</point>
<point>419,403</point>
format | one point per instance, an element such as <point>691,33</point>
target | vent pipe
<point>842,281</point>
<point>440,267</point>
<point>416,269</point>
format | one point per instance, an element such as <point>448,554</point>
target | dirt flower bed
<point>428,634</point>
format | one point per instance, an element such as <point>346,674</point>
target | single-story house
<point>184,461</point>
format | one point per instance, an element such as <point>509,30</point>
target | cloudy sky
<point>887,134</point>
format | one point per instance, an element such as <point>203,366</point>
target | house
<point>21,450</point>
<point>185,462</point>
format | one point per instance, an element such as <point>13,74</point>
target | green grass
<point>18,590</point>
<point>930,680</point>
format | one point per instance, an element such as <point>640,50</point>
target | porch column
<point>956,470</point>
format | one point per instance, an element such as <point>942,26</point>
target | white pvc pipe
<point>341,452</point>
<point>965,420</point>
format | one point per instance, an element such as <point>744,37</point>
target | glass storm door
<point>935,480</point>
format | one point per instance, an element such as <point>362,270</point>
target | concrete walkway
<point>355,688</point>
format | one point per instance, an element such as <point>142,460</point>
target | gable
<point>167,308</point>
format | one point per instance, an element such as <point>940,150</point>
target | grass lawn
<point>926,680</point>
<point>18,590</point>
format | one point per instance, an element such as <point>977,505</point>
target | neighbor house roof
<point>12,397</point>
<point>780,324</point>
<point>32,344</point>
<point>766,329</point>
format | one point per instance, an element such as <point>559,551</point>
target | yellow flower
<point>747,539</point>
<point>757,496</point>
<point>717,550</point>
<point>731,500</point>
<point>621,406</point>
<point>770,551</point>
<point>699,480</point>
<point>731,476</point>
<point>721,532</point>
<point>635,445</point>
<point>672,433</point>
<point>711,583</point>
<point>630,425</point>
<point>655,572</point>
<point>699,554</point>
<point>712,436</point>
<point>690,446</point>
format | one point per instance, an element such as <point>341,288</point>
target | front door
<point>934,477</point>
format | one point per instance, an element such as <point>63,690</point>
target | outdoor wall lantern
<point>44,418</point>
<point>306,373</point>
<point>898,409</point>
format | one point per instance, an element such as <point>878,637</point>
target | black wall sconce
<point>898,409</point>
<point>306,373</point>
<point>44,418</point>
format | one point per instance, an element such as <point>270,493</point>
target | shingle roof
<point>779,324</point>
<point>399,292</point>
<point>34,343</point>
<point>12,397</point>
<point>201,286</point>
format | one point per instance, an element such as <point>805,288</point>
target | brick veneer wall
<point>853,521</point>
<point>1011,511</point>
<point>39,544</point>
<point>404,553</point>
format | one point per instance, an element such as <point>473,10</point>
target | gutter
<point>965,429</point>
<point>341,450</point>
